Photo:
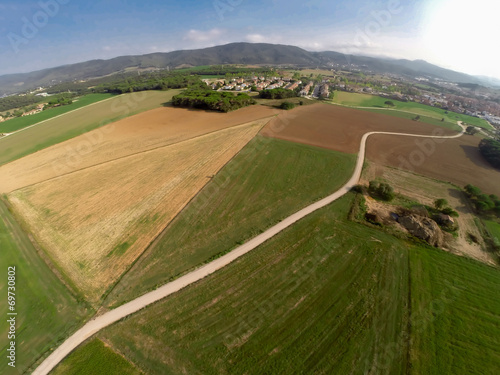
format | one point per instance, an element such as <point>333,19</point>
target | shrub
<point>381,190</point>
<point>287,106</point>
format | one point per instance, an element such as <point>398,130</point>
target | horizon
<point>45,34</point>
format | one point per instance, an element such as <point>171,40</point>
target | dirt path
<point>100,322</point>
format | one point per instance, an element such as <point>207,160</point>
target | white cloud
<point>198,36</point>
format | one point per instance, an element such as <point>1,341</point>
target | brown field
<point>338,128</point>
<point>145,131</point>
<point>453,160</point>
<point>96,221</point>
<point>426,190</point>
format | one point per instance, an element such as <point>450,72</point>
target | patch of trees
<point>277,94</point>
<point>16,101</point>
<point>59,101</point>
<point>484,203</point>
<point>490,149</point>
<point>212,100</point>
<point>381,190</point>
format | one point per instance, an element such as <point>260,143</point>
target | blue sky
<point>36,34</point>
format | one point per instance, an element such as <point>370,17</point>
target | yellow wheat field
<point>95,222</point>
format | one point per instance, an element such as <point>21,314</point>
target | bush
<point>287,106</point>
<point>381,190</point>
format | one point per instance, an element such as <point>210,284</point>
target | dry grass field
<point>146,131</point>
<point>96,221</point>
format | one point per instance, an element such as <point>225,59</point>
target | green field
<point>267,181</point>
<point>455,315</point>
<point>46,311</point>
<point>363,100</point>
<point>325,296</point>
<point>76,123</point>
<point>15,124</point>
<point>95,358</point>
<point>494,231</point>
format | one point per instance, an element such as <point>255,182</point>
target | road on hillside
<point>100,322</point>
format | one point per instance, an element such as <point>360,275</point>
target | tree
<point>417,118</point>
<point>389,103</point>
<point>472,190</point>
<point>490,149</point>
<point>440,204</point>
<point>471,130</point>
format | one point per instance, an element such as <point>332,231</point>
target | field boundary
<point>63,114</point>
<point>141,153</point>
<point>102,321</point>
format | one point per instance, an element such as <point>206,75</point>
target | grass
<point>455,316</point>
<point>15,124</point>
<point>425,111</point>
<point>47,312</point>
<point>494,230</point>
<point>266,182</point>
<point>325,296</point>
<point>95,358</point>
<point>76,123</point>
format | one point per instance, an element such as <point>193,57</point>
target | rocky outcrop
<point>424,228</point>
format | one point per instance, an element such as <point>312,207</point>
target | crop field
<point>269,180</point>
<point>95,357</point>
<point>146,131</point>
<point>95,222</point>
<point>325,296</point>
<point>456,315</point>
<point>364,100</point>
<point>15,124</point>
<point>76,123</point>
<point>47,311</point>
<point>453,160</point>
<point>339,128</point>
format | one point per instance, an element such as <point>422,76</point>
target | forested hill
<point>234,53</point>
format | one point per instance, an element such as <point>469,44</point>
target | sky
<point>455,34</point>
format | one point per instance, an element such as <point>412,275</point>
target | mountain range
<point>234,53</point>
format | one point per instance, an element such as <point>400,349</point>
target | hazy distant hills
<point>235,53</point>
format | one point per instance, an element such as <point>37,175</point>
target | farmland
<point>153,129</point>
<point>453,160</point>
<point>95,222</point>
<point>95,357</point>
<point>76,123</point>
<point>325,296</point>
<point>363,100</point>
<point>47,311</point>
<point>23,122</point>
<point>269,180</point>
<point>339,128</point>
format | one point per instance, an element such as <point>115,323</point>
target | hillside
<point>234,53</point>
